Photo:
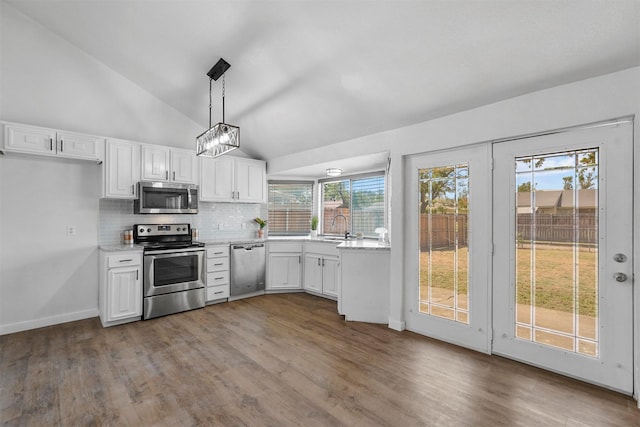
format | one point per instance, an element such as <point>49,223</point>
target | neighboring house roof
<point>587,199</point>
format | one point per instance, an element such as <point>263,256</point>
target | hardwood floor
<point>279,360</point>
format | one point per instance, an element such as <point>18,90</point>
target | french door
<point>448,246</point>
<point>562,268</point>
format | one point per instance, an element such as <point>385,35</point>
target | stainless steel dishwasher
<point>248,263</point>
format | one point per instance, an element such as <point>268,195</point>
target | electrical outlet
<point>71,230</point>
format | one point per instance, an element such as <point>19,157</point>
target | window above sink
<point>353,204</point>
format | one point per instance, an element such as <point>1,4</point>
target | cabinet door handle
<point>137,271</point>
<point>50,144</point>
<point>218,253</point>
<point>218,278</point>
<point>219,292</point>
<point>126,260</point>
<point>318,261</point>
<point>323,262</point>
<point>299,259</point>
<point>174,175</point>
<point>166,175</point>
<point>218,264</point>
<point>61,145</point>
<point>238,195</point>
<point>133,190</point>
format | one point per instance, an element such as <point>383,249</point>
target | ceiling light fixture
<point>221,138</point>
<point>334,172</point>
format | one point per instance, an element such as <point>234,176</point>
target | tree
<point>337,191</point>
<point>568,183</point>
<point>435,183</point>
<point>525,187</point>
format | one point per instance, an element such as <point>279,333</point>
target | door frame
<point>400,162</point>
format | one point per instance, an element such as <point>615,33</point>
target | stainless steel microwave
<point>166,198</point>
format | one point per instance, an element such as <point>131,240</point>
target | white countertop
<point>364,244</point>
<point>340,243</point>
<point>228,241</point>
<point>121,248</point>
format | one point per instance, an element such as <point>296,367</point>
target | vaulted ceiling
<point>310,73</point>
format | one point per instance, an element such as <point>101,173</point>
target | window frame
<point>351,178</point>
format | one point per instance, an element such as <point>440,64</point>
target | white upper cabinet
<point>184,166</point>
<point>51,142</point>
<point>155,163</point>
<point>78,146</point>
<point>251,184</point>
<point>216,179</point>
<point>121,169</point>
<point>166,164</point>
<point>233,179</point>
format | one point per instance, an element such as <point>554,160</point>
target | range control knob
<point>178,229</point>
<point>141,230</point>
<point>148,230</point>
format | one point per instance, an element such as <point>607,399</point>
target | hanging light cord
<point>210,80</point>
<point>223,84</point>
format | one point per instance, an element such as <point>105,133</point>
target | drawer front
<point>124,260</point>
<point>217,251</point>
<point>218,278</point>
<point>217,264</point>
<point>217,292</point>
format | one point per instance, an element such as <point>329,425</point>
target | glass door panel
<point>444,260</point>
<point>556,250</point>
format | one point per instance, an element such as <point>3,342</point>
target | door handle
<point>619,257</point>
<point>620,277</point>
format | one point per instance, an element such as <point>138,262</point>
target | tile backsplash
<point>117,216</point>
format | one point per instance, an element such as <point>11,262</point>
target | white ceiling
<point>310,73</point>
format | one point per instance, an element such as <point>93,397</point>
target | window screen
<point>290,207</point>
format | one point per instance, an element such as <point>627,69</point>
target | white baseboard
<point>396,325</point>
<point>47,321</point>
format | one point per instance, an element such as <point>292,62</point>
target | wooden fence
<point>444,229</point>
<point>550,228</point>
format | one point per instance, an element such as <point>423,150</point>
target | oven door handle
<point>166,253</point>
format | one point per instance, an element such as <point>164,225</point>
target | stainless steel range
<point>173,274</point>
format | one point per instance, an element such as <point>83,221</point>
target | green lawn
<point>554,274</point>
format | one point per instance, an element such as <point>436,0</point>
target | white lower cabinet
<point>322,269</point>
<point>217,273</point>
<point>120,287</point>
<point>284,266</point>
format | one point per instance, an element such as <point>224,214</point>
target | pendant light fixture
<point>221,138</point>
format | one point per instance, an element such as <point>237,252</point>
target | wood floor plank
<point>279,360</point>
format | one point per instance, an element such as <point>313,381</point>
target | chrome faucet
<point>346,224</point>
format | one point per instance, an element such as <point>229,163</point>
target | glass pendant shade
<point>218,140</point>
